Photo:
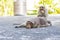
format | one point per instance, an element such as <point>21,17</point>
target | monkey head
<point>42,9</point>
<point>29,24</point>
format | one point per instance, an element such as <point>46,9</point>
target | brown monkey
<point>29,24</point>
<point>43,13</point>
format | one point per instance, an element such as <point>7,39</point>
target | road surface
<point>8,32</point>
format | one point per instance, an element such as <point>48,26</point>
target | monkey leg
<point>21,26</point>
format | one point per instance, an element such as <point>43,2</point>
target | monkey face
<point>29,24</point>
<point>42,7</point>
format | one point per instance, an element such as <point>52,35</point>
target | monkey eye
<point>41,7</point>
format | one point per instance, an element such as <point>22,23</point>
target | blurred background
<point>27,7</point>
<point>53,6</point>
<point>6,8</point>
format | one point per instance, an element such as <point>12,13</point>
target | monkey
<point>43,13</point>
<point>29,24</point>
<point>37,22</point>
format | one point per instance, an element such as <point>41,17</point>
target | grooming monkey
<point>43,13</point>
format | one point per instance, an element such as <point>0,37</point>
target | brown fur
<point>29,24</point>
<point>37,22</point>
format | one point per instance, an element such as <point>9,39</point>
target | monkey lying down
<point>35,23</point>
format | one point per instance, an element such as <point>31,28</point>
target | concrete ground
<point>8,32</point>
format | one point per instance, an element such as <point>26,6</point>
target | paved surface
<point>8,32</point>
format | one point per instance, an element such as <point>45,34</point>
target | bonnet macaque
<point>43,12</point>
